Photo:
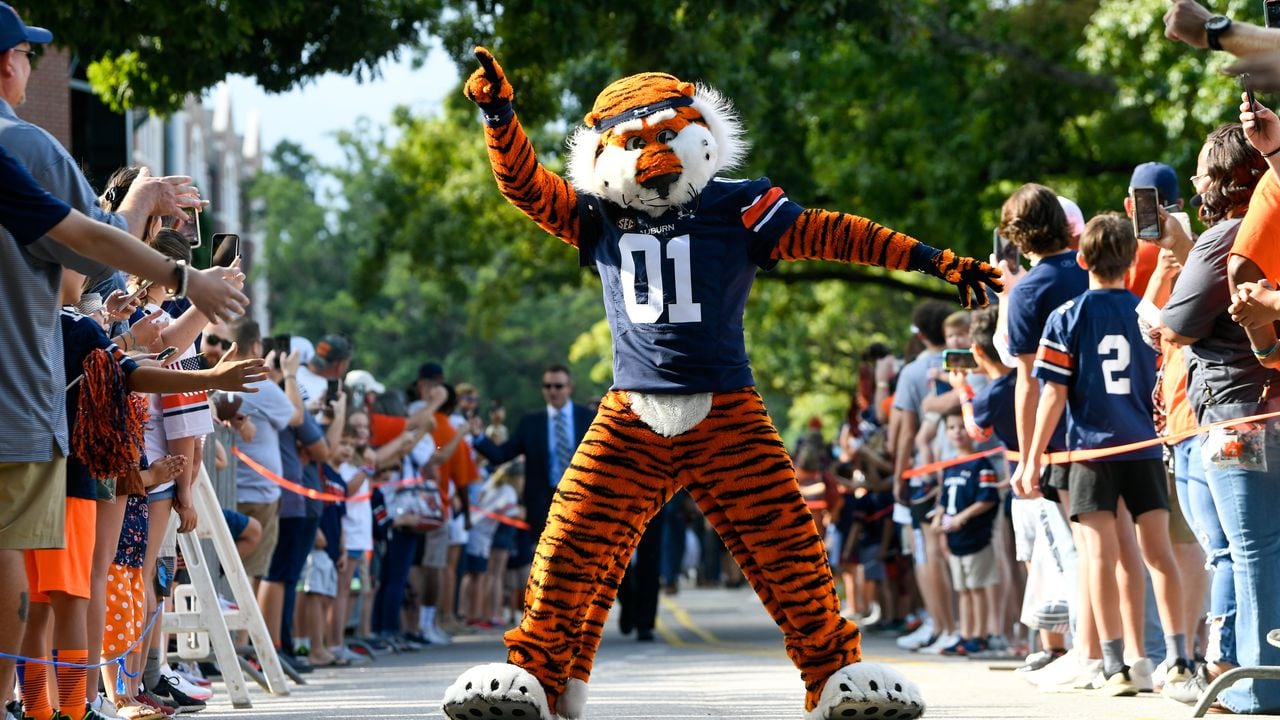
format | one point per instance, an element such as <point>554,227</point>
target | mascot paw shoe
<point>868,690</point>
<point>496,690</point>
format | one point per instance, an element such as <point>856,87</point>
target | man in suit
<point>547,439</point>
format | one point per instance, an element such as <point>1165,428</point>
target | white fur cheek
<point>615,174</point>
<point>698,155</point>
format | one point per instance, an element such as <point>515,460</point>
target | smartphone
<point>331,393</point>
<point>226,248</point>
<point>1271,12</point>
<point>188,224</point>
<point>166,353</point>
<point>1004,249</point>
<point>283,343</point>
<point>268,347</point>
<point>1146,213</point>
<point>959,360</point>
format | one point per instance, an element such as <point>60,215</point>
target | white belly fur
<point>670,415</point>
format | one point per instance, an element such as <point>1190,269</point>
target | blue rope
<point>119,661</point>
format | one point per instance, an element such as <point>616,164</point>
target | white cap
<point>1075,218</point>
<point>305,349</point>
<point>364,379</point>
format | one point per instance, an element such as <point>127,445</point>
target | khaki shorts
<point>976,571</point>
<point>268,516</point>
<point>435,554</point>
<point>33,505</point>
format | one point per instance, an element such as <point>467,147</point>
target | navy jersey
<point>964,485</point>
<point>333,512</point>
<point>1093,346</point>
<point>872,511</point>
<point>82,335</point>
<point>676,286</point>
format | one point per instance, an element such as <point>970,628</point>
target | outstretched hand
<point>969,276</point>
<point>488,84</point>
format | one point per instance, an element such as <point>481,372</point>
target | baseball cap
<point>14,31</point>
<point>363,379</point>
<point>305,349</point>
<point>1159,176</point>
<point>1075,217</point>
<point>430,371</point>
<point>331,350</point>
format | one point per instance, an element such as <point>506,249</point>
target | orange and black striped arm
<point>539,193</point>
<point>827,235</point>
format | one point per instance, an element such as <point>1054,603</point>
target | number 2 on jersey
<point>684,309</point>
<point>1113,368</point>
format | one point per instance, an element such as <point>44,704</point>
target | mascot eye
<point>666,136</point>
<point>634,143</point>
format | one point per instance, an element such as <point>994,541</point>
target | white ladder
<point>207,617</point>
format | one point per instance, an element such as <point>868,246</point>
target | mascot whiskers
<point>677,246</point>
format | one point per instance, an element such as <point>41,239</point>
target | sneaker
<point>1068,674</point>
<point>167,688</point>
<point>918,638</point>
<point>942,643</point>
<point>13,710</point>
<point>191,673</point>
<point>436,636</point>
<point>873,615</point>
<point>152,702</point>
<point>1120,684</point>
<point>186,687</point>
<point>91,714</point>
<point>104,708</point>
<point>1182,685</point>
<point>956,648</point>
<point>352,658</point>
<point>1037,660</point>
<point>1142,672</point>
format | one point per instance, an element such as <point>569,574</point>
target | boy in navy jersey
<point>969,504</point>
<point>1097,367</point>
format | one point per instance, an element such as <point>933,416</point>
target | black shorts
<point>1054,481</point>
<point>1098,487</point>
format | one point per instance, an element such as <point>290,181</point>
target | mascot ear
<point>687,89</point>
<point>591,118</point>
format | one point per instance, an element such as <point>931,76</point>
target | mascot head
<point>652,142</point>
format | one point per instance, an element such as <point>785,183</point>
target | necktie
<point>564,448</point>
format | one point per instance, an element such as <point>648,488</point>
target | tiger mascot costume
<point>677,247</point>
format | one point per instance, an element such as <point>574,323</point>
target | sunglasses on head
<point>552,386</point>
<point>216,341</point>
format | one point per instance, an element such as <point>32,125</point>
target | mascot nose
<point>661,183</point>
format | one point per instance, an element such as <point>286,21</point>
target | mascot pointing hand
<point>677,246</point>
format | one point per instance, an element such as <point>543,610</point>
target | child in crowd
<point>866,546</point>
<point>357,523</point>
<point>499,500</point>
<point>1097,367</point>
<point>968,506</point>
<point>511,476</point>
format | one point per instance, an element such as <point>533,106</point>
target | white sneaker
<point>943,642</point>
<point>1182,685</point>
<point>1081,677</point>
<point>435,635</point>
<point>102,707</point>
<point>343,653</point>
<point>872,617</point>
<point>1142,672</point>
<point>920,637</point>
<point>185,686</point>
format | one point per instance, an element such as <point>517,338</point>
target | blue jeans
<point>1246,506</point>
<point>401,547</point>
<point>1197,507</point>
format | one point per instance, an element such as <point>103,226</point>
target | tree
<point>153,53</point>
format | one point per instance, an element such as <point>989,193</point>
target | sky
<point>311,114</point>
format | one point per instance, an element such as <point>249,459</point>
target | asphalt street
<point>718,655</point>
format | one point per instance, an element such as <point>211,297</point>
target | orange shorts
<point>126,610</point>
<point>68,569</point>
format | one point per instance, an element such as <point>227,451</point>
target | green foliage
<point>152,53</point>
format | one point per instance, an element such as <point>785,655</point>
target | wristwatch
<point>1214,28</point>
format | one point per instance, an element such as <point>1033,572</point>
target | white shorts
<point>1025,516</point>
<point>458,531</point>
<point>320,575</point>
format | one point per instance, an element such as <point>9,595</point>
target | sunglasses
<point>553,386</point>
<point>216,341</point>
